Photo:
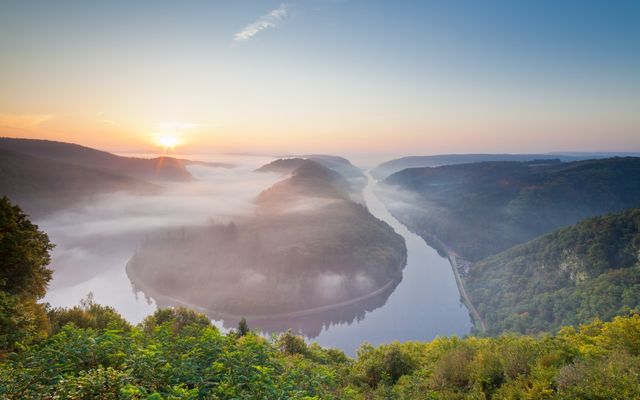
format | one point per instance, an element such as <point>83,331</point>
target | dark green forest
<point>91,352</point>
<point>572,275</point>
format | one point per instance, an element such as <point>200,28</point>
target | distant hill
<point>484,208</point>
<point>352,180</point>
<point>160,168</point>
<point>338,164</point>
<point>42,185</point>
<point>282,165</point>
<point>308,177</point>
<point>307,248</point>
<point>392,166</point>
<point>568,277</point>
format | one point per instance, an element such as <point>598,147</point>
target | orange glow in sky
<point>167,142</point>
<point>332,77</point>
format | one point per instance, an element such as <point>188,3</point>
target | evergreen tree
<point>243,327</point>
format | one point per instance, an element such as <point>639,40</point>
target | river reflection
<point>310,324</point>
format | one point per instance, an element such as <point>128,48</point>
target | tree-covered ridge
<point>484,208</point>
<point>42,185</point>
<point>575,274</point>
<point>156,169</point>
<point>392,166</point>
<point>177,354</point>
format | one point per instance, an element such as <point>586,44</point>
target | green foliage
<point>384,364</point>
<point>87,315</point>
<point>573,275</point>
<point>174,355</point>
<point>291,344</point>
<point>24,256</point>
<point>176,318</point>
<point>156,360</point>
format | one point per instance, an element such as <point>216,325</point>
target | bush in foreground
<point>177,354</point>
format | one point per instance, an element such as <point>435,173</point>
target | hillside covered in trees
<point>43,185</point>
<point>573,275</point>
<point>481,209</point>
<point>153,169</point>
<point>45,176</point>
<point>387,168</point>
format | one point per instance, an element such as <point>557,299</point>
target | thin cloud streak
<point>25,121</point>
<point>266,21</point>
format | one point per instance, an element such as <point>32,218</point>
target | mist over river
<point>94,242</point>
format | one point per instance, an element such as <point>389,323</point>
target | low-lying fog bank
<point>307,247</point>
<point>95,240</point>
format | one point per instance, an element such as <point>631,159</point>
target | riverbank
<point>457,263</point>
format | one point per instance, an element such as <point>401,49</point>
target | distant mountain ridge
<point>338,164</point>
<point>352,178</point>
<point>392,166</point>
<point>44,176</point>
<point>42,185</point>
<point>306,177</point>
<point>160,168</point>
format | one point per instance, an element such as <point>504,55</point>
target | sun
<point>167,142</point>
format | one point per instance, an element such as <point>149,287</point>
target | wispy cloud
<point>266,21</point>
<point>24,121</point>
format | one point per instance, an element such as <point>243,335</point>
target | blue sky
<point>335,76</point>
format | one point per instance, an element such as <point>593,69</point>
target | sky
<point>341,77</point>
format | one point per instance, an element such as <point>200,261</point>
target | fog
<point>306,246</point>
<point>94,240</point>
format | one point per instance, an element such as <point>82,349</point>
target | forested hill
<point>484,208</point>
<point>307,178</point>
<point>392,166</point>
<point>573,275</point>
<point>340,165</point>
<point>42,185</point>
<point>337,164</point>
<point>160,168</point>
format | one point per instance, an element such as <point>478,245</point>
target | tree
<point>243,327</point>
<point>290,344</point>
<point>87,315</point>
<point>24,276</point>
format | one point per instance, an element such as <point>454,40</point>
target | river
<point>95,244</point>
<point>426,304</point>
